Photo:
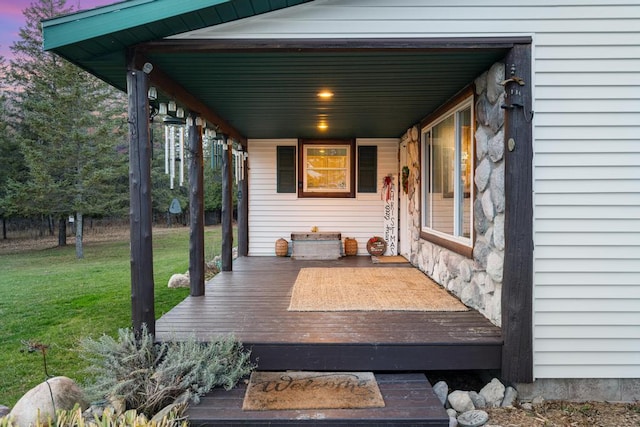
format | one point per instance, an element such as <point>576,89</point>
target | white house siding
<point>586,77</point>
<point>275,215</point>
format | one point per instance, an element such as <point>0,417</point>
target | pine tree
<point>70,126</point>
<point>11,159</point>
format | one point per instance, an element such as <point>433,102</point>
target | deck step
<point>409,401</point>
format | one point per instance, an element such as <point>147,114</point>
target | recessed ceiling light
<point>325,94</point>
<point>323,126</point>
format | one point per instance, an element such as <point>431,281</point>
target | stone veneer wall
<point>478,281</point>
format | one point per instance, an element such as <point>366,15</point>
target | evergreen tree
<point>70,127</point>
<point>13,169</point>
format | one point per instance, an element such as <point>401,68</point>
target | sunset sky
<point>12,19</point>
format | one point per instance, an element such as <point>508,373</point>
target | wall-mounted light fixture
<point>152,93</point>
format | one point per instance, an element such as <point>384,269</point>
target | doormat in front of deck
<point>311,390</point>
<point>388,259</point>
<point>369,289</point>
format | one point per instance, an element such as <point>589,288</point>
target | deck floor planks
<point>251,303</point>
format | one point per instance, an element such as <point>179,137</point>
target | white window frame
<point>426,132</point>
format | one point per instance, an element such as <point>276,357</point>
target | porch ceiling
<point>275,94</point>
<point>268,88</point>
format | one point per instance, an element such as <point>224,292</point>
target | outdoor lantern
<point>152,94</point>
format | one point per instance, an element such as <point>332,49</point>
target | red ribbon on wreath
<point>387,186</point>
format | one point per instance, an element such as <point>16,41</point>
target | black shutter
<point>286,165</point>
<point>367,169</point>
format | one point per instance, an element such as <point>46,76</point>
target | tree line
<point>64,139</point>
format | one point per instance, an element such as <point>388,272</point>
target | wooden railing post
<point>517,284</point>
<point>140,208</point>
<point>196,207</point>
<point>227,206</point>
<point>243,211</point>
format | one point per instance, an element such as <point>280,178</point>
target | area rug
<point>311,390</point>
<point>369,289</point>
<point>389,259</point>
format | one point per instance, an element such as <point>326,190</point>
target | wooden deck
<point>251,302</point>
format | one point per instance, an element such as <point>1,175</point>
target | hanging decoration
<point>387,187</point>
<point>405,179</point>
<point>174,137</point>
<point>239,158</point>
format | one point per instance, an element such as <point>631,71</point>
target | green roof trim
<point>149,20</point>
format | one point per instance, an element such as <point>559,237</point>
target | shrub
<point>148,376</point>
<point>131,418</point>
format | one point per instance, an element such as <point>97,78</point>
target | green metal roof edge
<point>102,21</point>
<point>89,24</point>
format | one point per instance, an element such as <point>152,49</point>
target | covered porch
<point>251,303</point>
<point>263,93</point>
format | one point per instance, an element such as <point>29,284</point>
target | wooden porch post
<point>196,208</point>
<point>243,212</point>
<point>517,288</point>
<point>140,212</point>
<point>227,206</point>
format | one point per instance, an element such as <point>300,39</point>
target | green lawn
<point>50,297</point>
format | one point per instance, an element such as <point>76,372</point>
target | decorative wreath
<point>405,179</point>
<point>376,246</point>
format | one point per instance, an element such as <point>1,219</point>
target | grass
<point>49,296</point>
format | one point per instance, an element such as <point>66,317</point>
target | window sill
<point>457,247</point>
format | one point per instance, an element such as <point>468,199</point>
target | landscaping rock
<point>475,418</point>
<point>460,401</point>
<point>527,406</point>
<point>453,422</point>
<point>538,400</point>
<point>441,389</point>
<point>452,413</point>
<point>66,394</point>
<point>493,393</point>
<point>510,396</point>
<point>478,400</point>
<point>4,410</point>
<point>179,281</point>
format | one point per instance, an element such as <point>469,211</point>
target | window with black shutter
<point>286,169</point>
<point>367,169</point>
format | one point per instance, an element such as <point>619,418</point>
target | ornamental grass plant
<point>147,376</point>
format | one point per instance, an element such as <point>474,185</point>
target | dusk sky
<point>12,19</point>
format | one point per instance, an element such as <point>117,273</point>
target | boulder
<point>460,401</point>
<point>493,393</point>
<point>510,396</point>
<point>475,418</point>
<point>179,281</point>
<point>441,389</point>
<point>64,392</point>
<point>4,410</point>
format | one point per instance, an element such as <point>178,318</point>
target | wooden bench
<point>324,245</point>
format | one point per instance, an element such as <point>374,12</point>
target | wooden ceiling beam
<point>163,82</point>
<point>328,45</point>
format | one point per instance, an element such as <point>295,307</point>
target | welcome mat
<point>369,289</point>
<point>389,259</point>
<point>311,390</point>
